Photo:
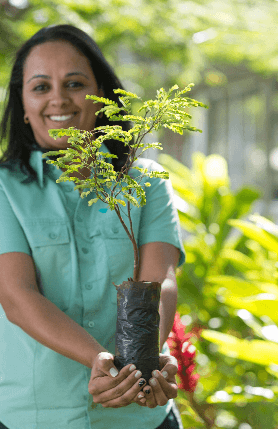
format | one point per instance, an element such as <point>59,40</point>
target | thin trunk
<point>135,247</point>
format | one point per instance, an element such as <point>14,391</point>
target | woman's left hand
<point>162,386</point>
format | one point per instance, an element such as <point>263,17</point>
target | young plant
<point>168,110</point>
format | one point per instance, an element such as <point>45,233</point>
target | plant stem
<point>194,404</point>
<point>117,210</point>
<point>135,247</point>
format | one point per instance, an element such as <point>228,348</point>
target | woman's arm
<point>37,316</point>
<point>157,263</point>
<point>46,323</point>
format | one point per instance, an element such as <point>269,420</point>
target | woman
<point>58,257</point>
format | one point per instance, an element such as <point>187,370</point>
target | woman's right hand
<point>111,388</point>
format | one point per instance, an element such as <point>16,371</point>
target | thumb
<point>106,363</point>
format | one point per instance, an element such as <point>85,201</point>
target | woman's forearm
<point>167,307</point>
<point>47,324</point>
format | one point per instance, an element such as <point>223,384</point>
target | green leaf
<point>238,260</point>
<point>255,233</point>
<point>92,201</point>
<point>126,93</point>
<point>190,422</point>
<point>260,305</point>
<point>256,351</point>
<point>97,99</point>
<point>131,199</point>
<point>234,285</point>
<point>121,202</point>
<point>265,224</point>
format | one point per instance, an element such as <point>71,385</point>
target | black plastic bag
<point>137,332</point>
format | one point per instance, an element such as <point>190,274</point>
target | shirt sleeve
<point>12,237</point>
<point>159,217</point>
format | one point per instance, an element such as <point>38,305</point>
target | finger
<point>163,389</point>
<point>113,391</point>
<point>150,398</point>
<point>106,364</point>
<point>140,399</point>
<point>168,364</point>
<point>99,384</point>
<point>123,395</point>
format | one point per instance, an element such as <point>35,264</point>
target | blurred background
<point>225,178</point>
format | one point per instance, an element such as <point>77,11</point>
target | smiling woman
<point>56,84</point>
<point>57,255</point>
<point>54,92</point>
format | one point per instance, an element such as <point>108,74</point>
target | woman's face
<point>56,79</point>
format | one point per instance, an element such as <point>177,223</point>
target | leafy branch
<point>119,189</point>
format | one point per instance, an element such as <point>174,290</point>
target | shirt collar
<point>39,164</point>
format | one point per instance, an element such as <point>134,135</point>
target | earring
<point>26,120</point>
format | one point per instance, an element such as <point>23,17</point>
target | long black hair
<point>19,136</point>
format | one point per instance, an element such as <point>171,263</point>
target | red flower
<point>184,351</point>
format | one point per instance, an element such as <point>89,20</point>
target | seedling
<point>118,188</point>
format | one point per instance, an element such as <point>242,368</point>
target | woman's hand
<point>162,386</point>
<point>111,388</point>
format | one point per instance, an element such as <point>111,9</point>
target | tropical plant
<point>209,212</point>
<point>253,295</point>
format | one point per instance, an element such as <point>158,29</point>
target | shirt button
<point>85,250</point>
<point>79,218</point>
<point>115,229</point>
<point>91,324</point>
<point>53,235</point>
<point>88,286</point>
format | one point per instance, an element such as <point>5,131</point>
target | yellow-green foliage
<point>228,287</point>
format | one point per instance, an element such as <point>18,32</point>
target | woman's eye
<point>40,87</point>
<point>75,84</point>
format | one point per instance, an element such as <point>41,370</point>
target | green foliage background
<point>228,288</point>
<point>154,43</point>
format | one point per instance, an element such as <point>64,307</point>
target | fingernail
<point>138,374</point>
<point>147,391</point>
<point>142,382</point>
<point>165,374</point>
<point>153,382</point>
<point>132,368</point>
<point>140,395</point>
<point>114,372</point>
<point>155,374</point>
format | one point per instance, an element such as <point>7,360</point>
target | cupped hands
<point>111,388</point>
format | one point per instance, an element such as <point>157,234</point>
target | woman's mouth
<point>62,118</point>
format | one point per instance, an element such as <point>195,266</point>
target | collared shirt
<point>78,252</point>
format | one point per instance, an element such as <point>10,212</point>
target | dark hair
<point>19,136</point>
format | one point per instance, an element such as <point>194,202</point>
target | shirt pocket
<point>50,244</point>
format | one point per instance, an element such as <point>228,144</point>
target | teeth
<point>61,118</point>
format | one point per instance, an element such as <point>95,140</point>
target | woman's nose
<point>59,96</point>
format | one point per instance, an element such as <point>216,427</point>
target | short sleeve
<point>12,237</point>
<point>159,217</point>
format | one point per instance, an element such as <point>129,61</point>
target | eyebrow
<point>44,76</point>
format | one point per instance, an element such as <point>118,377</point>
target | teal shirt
<point>78,252</point>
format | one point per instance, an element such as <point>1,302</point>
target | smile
<point>61,118</point>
